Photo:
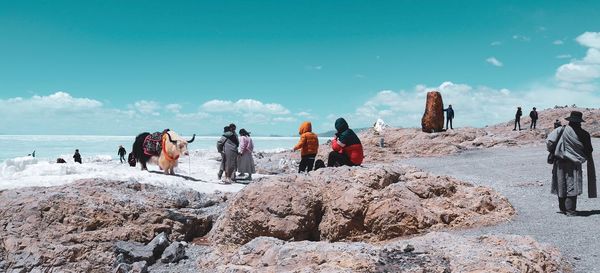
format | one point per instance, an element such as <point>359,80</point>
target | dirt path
<point>523,176</point>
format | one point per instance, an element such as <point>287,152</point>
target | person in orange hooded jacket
<point>347,148</point>
<point>308,146</point>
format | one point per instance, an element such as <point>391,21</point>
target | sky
<point>124,67</point>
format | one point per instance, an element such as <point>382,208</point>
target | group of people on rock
<point>347,150</point>
<point>236,155</point>
<point>533,115</point>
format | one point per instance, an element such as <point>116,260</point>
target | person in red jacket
<point>347,148</point>
<point>308,146</point>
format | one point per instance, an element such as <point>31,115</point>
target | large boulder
<point>356,204</point>
<point>76,227</point>
<point>433,118</point>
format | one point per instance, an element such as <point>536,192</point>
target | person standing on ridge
<point>347,148</point>
<point>121,153</point>
<point>308,146</point>
<point>449,116</point>
<point>77,156</point>
<point>534,117</point>
<point>571,146</point>
<point>518,118</point>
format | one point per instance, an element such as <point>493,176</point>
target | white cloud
<point>496,43</point>
<point>474,105</point>
<point>563,56</point>
<point>313,67</point>
<point>173,108</point>
<point>244,106</point>
<point>304,114</point>
<point>589,39</point>
<point>493,61</point>
<point>59,101</point>
<point>586,70</point>
<point>284,119</point>
<point>147,107</point>
<point>558,42</point>
<point>521,38</point>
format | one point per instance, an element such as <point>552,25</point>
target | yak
<point>164,148</point>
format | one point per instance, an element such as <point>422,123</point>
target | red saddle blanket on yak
<point>152,144</point>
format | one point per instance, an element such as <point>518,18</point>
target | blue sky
<point>122,67</point>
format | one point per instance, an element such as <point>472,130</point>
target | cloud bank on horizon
<point>575,82</point>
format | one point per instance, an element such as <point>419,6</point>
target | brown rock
<point>433,118</point>
<point>356,204</point>
<point>74,228</point>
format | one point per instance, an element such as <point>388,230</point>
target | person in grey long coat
<point>572,148</point>
<point>228,144</point>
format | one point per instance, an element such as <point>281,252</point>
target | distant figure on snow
<point>77,156</point>
<point>347,148</point>
<point>32,154</point>
<point>534,117</point>
<point>449,116</point>
<point>308,146</point>
<point>228,146</point>
<point>245,162</point>
<point>557,124</point>
<point>518,118</point>
<point>572,146</point>
<point>121,153</point>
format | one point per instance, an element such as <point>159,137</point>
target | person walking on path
<point>308,146</point>
<point>571,146</point>
<point>229,144</point>
<point>449,116</point>
<point>245,161</point>
<point>534,117</point>
<point>347,148</point>
<point>121,153</point>
<point>518,118</point>
<point>77,156</point>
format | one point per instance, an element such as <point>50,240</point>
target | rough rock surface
<point>434,252</point>
<point>412,142</point>
<point>356,204</point>
<point>74,228</point>
<point>433,118</point>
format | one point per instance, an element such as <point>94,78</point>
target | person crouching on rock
<point>308,146</point>
<point>572,146</point>
<point>347,148</point>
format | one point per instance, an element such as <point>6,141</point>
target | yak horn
<point>172,141</point>
<point>192,140</point>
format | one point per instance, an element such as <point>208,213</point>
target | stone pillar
<point>433,118</point>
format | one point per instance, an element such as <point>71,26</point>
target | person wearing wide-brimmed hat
<point>572,146</point>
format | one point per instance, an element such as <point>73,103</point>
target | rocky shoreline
<point>382,217</point>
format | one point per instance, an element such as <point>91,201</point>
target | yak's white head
<point>175,145</point>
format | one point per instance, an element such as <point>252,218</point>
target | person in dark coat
<point>571,146</point>
<point>449,116</point>
<point>347,148</point>
<point>518,118</point>
<point>77,156</point>
<point>121,154</point>
<point>534,117</point>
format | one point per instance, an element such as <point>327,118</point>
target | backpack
<point>319,164</point>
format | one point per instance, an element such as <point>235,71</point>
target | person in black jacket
<point>534,117</point>
<point>518,118</point>
<point>121,153</point>
<point>77,156</point>
<point>449,116</point>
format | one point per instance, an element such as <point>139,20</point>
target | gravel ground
<point>523,176</point>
